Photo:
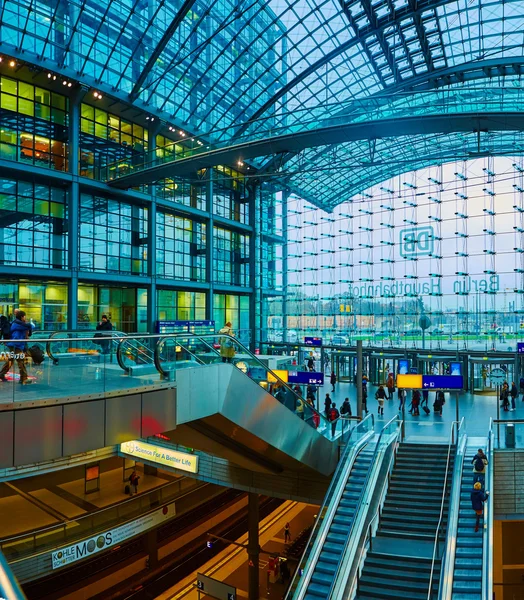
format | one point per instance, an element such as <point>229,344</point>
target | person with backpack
<point>504,397</point>
<point>133,483</point>
<point>227,347</point>
<point>380,397</point>
<point>345,409</point>
<point>514,393</point>
<point>439,402</point>
<point>479,462</point>
<point>333,416</point>
<point>20,331</point>
<point>311,363</point>
<point>5,328</point>
<point>316,419</point>
<point>390,385</point>
<point>478,497</point>
<point>415,403</point>
<point>327,405</point>
<point>333,380</point>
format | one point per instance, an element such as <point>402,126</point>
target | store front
<point>45,303</point>
<point>126,307</point>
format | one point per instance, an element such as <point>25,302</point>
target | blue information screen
<point>455,368</point>
<point>313,341</point>
<point>305,378</point>
<point>442,382</point>
<point>520,347</point>
<point>403,366</point>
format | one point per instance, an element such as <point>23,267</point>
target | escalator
<point>322,573</point>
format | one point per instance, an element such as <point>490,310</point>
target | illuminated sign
<point>313,341</point>
<point>107,539</point>
<point>160,455</point>
<point>403,366</point>
<point>417,241</point>
<point>442,382</point>
<point>520,347</point>
<point>409,381</point>
<point>305,378</point>
<point>279,373</point>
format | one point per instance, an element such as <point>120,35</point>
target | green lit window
<point>230,257</point>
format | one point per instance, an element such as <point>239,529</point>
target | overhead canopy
<point>226,69</point>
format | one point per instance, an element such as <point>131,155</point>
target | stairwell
<point>333,548</point>
<point>467,577</point>
<point>398,567</point>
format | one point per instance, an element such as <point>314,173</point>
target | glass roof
<point>220,68</point>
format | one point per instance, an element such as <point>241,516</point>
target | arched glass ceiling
<point>226,66</point>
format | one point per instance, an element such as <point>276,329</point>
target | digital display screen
<point>313,341</point>
<point>455,368</point>
<point>403,367</point>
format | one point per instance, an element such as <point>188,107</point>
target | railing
<point>9,587</point>
<point>364,500</point>
<point>487,540</point>
<point>358,438</point>
<point>372,525</point>
<point>459,425</point>
<point>60,342</point>
<point>448,566</point>
<point>49,538</point>
<point>177,351</point>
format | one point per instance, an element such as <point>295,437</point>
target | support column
<point>359,379</point>
<point>255,281</point>
<point>210,237</point>
<point>285,259</point>
<point>152,307</point>
<point>253,548</point>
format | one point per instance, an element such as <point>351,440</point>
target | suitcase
<point>35,352</point>
<point>127,490</point>
<point>426,410</point>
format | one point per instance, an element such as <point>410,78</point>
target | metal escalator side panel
<point>227,399</point>
<point>326,516</point>
<point>448,566</point>
<point>487,542</point>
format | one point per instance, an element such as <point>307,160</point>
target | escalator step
<point>469,585</point>
<point>469,574</point>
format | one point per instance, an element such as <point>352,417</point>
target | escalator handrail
<point>487,540</point>
<point>129,341</point>
<point>448,568</point>
<point>9,586</point>
<point>361,497</point>
<point>329,506</point>
<point>54,338</point>
<point>381,497</point>
<point>442,503</point>
<point>203,339</point>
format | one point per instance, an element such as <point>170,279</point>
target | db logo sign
<point>417,241</point>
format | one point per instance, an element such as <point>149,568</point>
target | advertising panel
<point>163,456</point>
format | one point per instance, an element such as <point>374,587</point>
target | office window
<point>113,236</point>
<point>230,257</point>
<point>33,225</point>
<point>183,192</point>
<point>181,248</point>
<point>230,195</point>
<point>176,305</point>
<point>34,125</point>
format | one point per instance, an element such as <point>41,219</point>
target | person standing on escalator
<point>227,346</point>
<point>327,405</point>
<point>478,497</point>
<point>105,338</point>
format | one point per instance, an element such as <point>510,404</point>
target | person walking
<point>20,331</point>
<point>439,402</point>
<point>133,483</point>
<point>365,398</point>
<point>311,362</point>
<point>401,394</point>
<point>327,405</point>
<point>478,497</point>
<point>287,533</point>
<point>345,409</point>
<point>479,462</point>
<point>390,385</point>
<point>104,339</point>
<point>415,403</point>
<point>380,396</point>
<point>504,396</point>
<point>514,393</point>
<point>425,398</point>
<point>333,380</point>
<point>333,416</point>
<point>227,347</point>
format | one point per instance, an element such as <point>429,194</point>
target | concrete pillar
<point>253,548</point>
<point>359,379</point>
<point>151,547</point>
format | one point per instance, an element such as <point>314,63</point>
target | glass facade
<point>113,236</point>
<point>230,257</point>
<point>181,306</point>
<point>33,224</point>
<point>181,248</point>
<point>234,309</point>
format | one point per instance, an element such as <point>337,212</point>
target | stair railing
<point>9,586</point>
<point>362,496</point>
<point>487,541</point>
<point>442,503</point>
<point>373,523</point>
<point>448,566</point>
<point>317,538</point>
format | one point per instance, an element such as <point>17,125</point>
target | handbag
<point>35,352</point>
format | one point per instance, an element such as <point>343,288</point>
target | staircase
<point>410,515</point>
<point>331,553</point>
<point>467,578</point>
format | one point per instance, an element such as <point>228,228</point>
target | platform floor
<point>46,500</point>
